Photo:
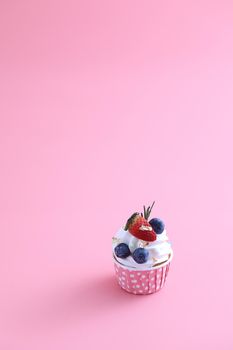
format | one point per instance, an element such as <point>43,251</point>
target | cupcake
<point>142,253</point>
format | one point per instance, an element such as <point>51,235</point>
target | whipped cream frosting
<point>159,250</point>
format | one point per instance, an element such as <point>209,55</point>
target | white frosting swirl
<point>159,250</point>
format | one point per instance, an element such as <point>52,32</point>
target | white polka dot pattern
<point>143,282</point>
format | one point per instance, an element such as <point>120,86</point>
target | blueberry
<point>140,255</point>
<point>157,225</point>
<point>122,250</point>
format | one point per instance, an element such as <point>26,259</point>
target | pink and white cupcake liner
<point>142,282</point>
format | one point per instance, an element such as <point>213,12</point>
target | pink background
<point>106,106</point>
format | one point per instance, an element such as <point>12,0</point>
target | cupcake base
<point>142,282</point>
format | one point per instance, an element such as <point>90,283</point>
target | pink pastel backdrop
<point>105,106</point>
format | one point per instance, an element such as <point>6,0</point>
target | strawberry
<point>139,227</point>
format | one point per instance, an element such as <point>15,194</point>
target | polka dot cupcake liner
<point>142,282</point>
